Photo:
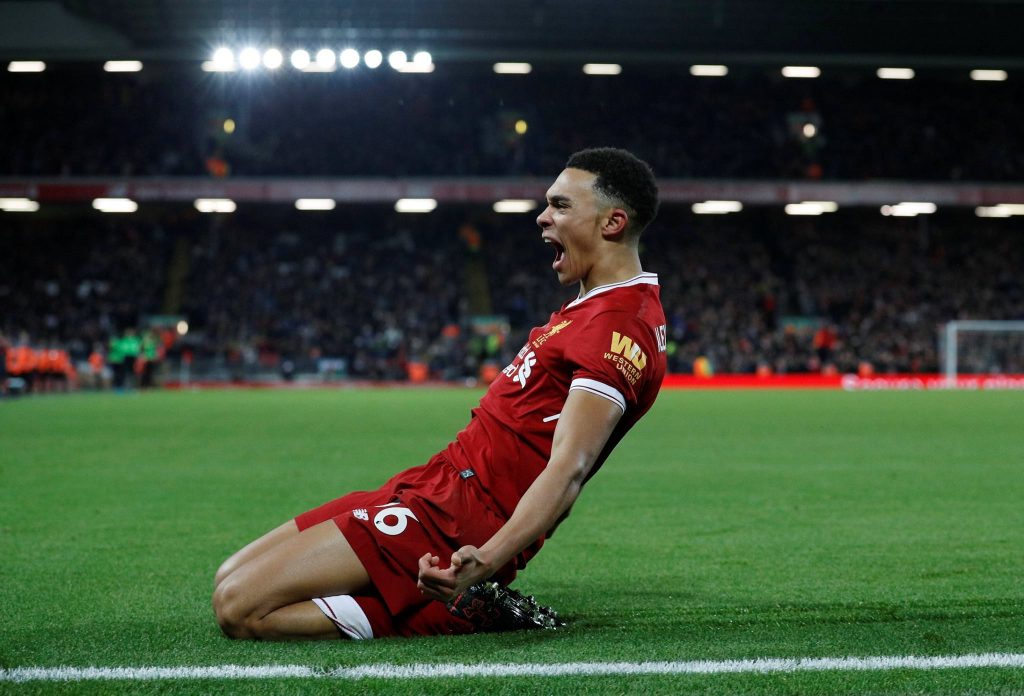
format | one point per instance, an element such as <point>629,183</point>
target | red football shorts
<point>431,508</point>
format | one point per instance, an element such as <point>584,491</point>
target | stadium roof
<point>922,32</point>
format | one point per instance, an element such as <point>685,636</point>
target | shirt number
<point>401,516</point>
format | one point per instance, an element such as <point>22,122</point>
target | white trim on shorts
<point>347,615</point>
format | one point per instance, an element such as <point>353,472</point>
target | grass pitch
<point>728,525</point>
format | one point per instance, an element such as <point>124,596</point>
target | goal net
<point>982,348</point>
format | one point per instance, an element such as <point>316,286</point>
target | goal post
<point>953,331</point>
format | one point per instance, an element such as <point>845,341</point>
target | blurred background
<point>259,191</point>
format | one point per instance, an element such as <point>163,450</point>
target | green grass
<point>727,525</point>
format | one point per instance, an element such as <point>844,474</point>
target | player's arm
<point>586,422</point>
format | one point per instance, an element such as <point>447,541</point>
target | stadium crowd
<point>457,122</point>
<point>377,295</point>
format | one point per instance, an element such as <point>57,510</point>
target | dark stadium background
<point>363,292</point>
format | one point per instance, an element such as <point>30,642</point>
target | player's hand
<point>443,584</point>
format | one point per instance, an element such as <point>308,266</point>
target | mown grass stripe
<point>435,671</point>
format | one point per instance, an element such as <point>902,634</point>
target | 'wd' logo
<point>627,348</point>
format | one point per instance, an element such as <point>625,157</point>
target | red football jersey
<point>610,342</point>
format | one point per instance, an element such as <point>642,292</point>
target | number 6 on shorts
<point>402,514</point>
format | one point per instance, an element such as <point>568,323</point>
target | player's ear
<point>615,224</point>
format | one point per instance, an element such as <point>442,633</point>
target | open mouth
<point>559,253</point>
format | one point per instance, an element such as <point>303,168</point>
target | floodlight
<point>989,75</point>
<point>249,58</point>
<point>511,205</point>
<point>272,59</point>
<point>709,70</point>
<point>895,73</point>
<point>397,59</point>
<point>26,66</point>
<point>806,71</point>
<point>602,69</point>
<point>325,59</point>
<point>994,211</point>
<point>349,58</point>
<point>415,205</point>
<point>513,68</point>
<point>123,66</point>
<point>315,204</point>
<point>115,205</point>
<point>908,209</point>
<point>224,58</point>
<point>18,205</point>
<point>716,207</point>
<point>300,59</point>
<point>215,205</point>
<point>811,208</point>
<point>373,58</point>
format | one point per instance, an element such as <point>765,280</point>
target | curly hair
<point>623,178</point>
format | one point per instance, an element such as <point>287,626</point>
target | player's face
<point>571,223</point>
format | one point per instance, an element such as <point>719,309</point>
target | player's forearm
<point>544,502</point>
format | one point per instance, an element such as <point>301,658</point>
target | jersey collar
<point>642,279</point>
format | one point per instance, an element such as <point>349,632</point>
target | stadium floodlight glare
<point>514,205</point>
<point>249,58</point>
<point>123,66</point>
<point>805,71</point>
<point>811,208</point>
<point>709,70</point>
<point>18,205</point>
<point>513,68</point>
<point>993,211</point>
<point>326,59</point>
<point>602,69</point>
<point>1002,210</point>
<point>349,58</point>
<point>989,75</point>
<point>908,209</point>
<point>273,59</point>
<point>182,327</point>
<point>115,205</point>
<point>373,58</point>
<point>223,59</point>
<point>315,204</point>
<point>26,66</point>
<point>809,130</point>
<point>397,59</point>
<point>300,59</point>
<point>716,207</point>
<point>422,62</point>
<point>896,73</point>
<point>415,205</point>
<point>215,205</point>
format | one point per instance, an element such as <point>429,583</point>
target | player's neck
<point>616,270</point>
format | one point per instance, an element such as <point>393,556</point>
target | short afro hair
<point>623,177</point>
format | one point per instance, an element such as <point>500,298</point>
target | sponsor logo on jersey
<point>629,349</point>
<point>544,337</point>
<point>627,357</point>
<point>661,335</point>
<point>361,514</point>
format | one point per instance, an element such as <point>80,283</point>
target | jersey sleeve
<point>609,358</point>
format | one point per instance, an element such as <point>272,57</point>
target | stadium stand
<point>369,293</point>
<point>462,123</point>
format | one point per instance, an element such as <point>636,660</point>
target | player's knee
<point>233,616</point>
<point>223,572</point>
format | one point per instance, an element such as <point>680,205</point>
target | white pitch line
<point>428,671</point>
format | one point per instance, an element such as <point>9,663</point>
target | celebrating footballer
<point>433,550</point>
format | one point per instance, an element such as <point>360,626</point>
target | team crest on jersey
<point>627,356</point>
<point>544,337</point>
